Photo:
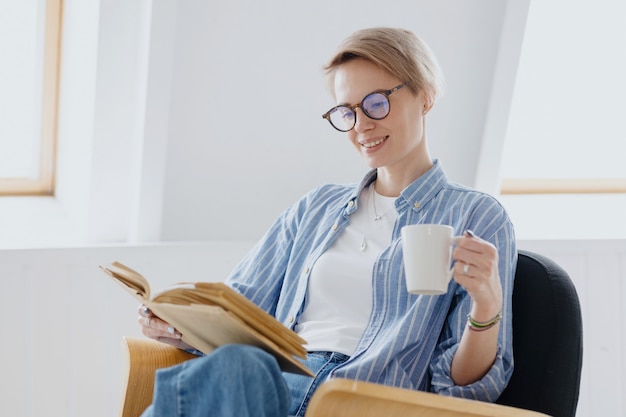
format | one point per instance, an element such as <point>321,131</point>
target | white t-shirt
<point>339,294</point>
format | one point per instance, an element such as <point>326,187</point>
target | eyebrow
<point>379,90</point>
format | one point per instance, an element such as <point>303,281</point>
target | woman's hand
<point>476,269</point>
<point>157,329</point>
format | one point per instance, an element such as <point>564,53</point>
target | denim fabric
<point>302,387</point>
<point>237,380</point>
<point>233,381</point>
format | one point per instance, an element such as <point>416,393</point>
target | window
<point>566,132</point>
<point>563,160</point>
<point>29,80</point>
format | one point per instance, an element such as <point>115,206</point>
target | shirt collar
<point>425,188</point>
<point>415,196</point>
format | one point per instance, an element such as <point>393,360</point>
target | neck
<point>390,182</point>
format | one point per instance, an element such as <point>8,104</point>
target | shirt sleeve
<point>260,275</point>
<point>491,385</point>
<point>488,388</point>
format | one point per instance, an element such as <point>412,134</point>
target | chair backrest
<point>547,339</point>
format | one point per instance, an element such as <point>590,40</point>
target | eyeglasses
<point>375,105</point>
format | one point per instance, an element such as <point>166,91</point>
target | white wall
<point>169,126</point>
<point>246,137</point>
<point>63,320</point>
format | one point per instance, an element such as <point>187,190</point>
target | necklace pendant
<point>377,217</point>
<point>363,244</point>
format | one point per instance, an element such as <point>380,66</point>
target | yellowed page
<point>207,327</point>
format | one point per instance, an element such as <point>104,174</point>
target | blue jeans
<point>302,387</point>
<point>237,380</point>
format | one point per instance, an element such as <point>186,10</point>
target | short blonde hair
<point>399,52</point>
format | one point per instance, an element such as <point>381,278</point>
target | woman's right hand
<point>157,329</point>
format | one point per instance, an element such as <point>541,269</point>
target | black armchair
<point>547,339</point>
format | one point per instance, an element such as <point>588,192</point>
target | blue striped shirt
<point>409,340</point>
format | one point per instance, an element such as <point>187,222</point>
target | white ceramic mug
<point>427,251</point>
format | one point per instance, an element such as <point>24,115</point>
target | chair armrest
<point>347,398</point>
<point>144,357</point>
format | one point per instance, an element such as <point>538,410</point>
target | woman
<point>330,267</point>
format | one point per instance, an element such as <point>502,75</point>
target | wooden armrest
<point>144,357</point>
<point>347,398</point>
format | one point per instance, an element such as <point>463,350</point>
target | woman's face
<point>396,142</point>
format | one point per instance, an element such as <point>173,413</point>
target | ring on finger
<point>466,268</point>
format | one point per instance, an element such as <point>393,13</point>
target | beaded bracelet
<point>479,326</point>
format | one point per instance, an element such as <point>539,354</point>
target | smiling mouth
<point>375,143</point>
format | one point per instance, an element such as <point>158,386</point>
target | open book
<point>212,314</point>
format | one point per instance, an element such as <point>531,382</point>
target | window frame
<point>44,185</point>
<point>563,186</point>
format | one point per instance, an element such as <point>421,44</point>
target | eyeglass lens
<point>374,105</point>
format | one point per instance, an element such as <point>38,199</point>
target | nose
<point>362,122</point>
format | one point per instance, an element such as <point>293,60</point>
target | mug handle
<point>452,243</point>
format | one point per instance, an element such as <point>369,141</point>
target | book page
<point>207,327</point>
<point>131,280</point>
<point>207,293</point>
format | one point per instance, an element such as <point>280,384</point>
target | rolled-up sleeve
<point>488,388</point>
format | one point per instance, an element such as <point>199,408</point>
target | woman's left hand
<point>157,329</point>
<point>476,269</point>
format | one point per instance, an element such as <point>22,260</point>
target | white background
<point>169,121</point>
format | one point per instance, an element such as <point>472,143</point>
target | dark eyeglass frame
<point>353,107</point>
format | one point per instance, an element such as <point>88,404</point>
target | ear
<point>428,103</point>
<point>427,106</point>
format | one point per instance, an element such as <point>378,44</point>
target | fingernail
<point>470,233</point>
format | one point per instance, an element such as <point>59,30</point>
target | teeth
<point>372,144</point>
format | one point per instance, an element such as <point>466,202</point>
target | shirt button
<point>290,319</point>
<point>351,203</point>
<point>306,270</point>
<point>335,227</point>
<point>416,205</point>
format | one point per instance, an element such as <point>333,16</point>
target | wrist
<point>485,310</point>
<point>480,326</point>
